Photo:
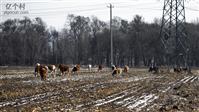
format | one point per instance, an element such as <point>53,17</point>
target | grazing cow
<point>177,69</point>
<point>63,68</point>
<point>76,68</point>
<point>52,69</point>
<point>180,69</point>
<point>89,67</point>
<point>99,68</point>
<point>126,69</point>
<point>113,67</point>
<point>37,69</point>
<point>117,71</point>
<point>153,68</point>
<point>185,69</point>
<point>43,70</point>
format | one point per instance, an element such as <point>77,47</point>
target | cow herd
<point>44,70</point>
<point>156,69</point>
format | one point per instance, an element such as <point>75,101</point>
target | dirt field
<point>98,92</point>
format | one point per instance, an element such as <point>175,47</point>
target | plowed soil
<point>135,91</point>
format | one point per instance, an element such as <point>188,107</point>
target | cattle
<point>63,69</point>
<point>126,69</point>
<point>117,71</point>
<point>37,69</point>
<point>153,69</point>
<point>43,71</point>
<point>180,69</point>
<point>113,67</point>
<point>89,67</point>
<point>100,68</point>
<point>52,69</point>
<point>185,69</point>
<point>76,69</point>
<point>177,69</point>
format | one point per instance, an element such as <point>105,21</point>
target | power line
<point>139,4</point>
<point>55,12</point>
<point>86,10</point>
<point>142,8</point>
<point>83,10</point>
<point>52,13</point>
<point>78,6</point>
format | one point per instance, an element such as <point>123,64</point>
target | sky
<point>54,12</point>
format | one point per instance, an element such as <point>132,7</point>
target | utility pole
<point>173,34</point>
<point>111,33</point>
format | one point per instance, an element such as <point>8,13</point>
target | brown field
<point>98,92</point>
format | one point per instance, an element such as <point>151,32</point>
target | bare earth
<point>98,92</point>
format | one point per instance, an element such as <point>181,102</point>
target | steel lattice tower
<point>173,34</point>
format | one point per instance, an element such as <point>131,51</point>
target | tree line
<point>86,40</point>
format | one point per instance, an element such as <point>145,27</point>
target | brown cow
<point>52,69</point>
<point>43,71</point>
<point>153,69</point>
<point>64,68</point>
<point>76,69</point>
<point>126,69</point>
<point>177,69</point>
<point>180,69</point>
<point>100,68</point>
<point>117,71</point>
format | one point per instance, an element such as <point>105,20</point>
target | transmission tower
<point>173,34</point>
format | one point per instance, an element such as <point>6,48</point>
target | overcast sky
<point>54,12</point>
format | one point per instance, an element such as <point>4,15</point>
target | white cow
<point>89,67</point>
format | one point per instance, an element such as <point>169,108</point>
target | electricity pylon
<point>173,34</point>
